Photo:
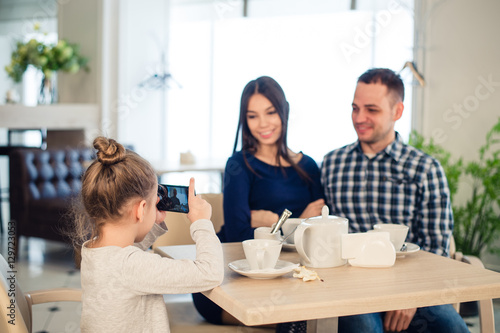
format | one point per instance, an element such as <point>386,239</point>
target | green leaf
<point>477,221</point>
<point>47,58</point>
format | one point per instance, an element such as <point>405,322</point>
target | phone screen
<point>173,198</point>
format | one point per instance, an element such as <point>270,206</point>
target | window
<point>315,50</point>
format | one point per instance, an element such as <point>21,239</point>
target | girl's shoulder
<point>111,258</point>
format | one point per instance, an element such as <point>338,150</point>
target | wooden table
<point>420,279</point>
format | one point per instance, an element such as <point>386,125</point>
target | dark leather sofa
<point>43,184</point>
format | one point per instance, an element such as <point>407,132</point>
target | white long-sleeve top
<point>123,287</point>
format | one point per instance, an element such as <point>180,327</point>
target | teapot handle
<point>299,243</point>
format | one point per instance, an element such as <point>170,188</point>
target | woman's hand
<point>198,208</point>
<point>313,209</point>
<point>263,218</point>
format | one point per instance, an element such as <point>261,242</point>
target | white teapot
<point>318,240</point>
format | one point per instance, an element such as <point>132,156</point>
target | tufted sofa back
<point>42,186</point>
<point>56,173</point>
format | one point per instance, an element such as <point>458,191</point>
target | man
<point>175,201</point>
<point>379,179</point>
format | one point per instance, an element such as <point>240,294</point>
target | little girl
<point>123,284</point>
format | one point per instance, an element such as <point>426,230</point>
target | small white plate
<point>242,267</point>
<point>410,248</point>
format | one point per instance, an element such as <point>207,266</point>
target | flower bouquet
<point>63,56</point>
<point>47,58</point>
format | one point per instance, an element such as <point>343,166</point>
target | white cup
<point>265,233</point>
<point>288,227</point>
<point>262,254</point>
<point>397,233</point>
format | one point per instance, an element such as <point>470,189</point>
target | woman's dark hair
<point>269,88</point>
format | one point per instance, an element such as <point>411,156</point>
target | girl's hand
<point>313,209</point>
<point>198,208</point>
<point>160,215</point>
<point>263,218</point>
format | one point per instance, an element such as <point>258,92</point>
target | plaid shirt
<point>400,184</point>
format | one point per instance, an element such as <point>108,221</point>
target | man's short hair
<point>388,78</point>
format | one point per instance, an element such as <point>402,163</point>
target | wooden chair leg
<point>486,316</point>
<point>1,216</point>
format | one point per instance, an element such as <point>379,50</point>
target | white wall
<point>93,24</point>
<point>5,82</point>
<point>81,22</point>
<point>27,10</point>
<point>143,38</point>
<point>460,51</point>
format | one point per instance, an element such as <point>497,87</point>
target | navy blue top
<point>272,188</point>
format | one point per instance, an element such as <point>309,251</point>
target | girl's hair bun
<point>109,151</point>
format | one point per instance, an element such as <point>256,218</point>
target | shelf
<point>54,116</point>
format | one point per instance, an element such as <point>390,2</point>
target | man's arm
<point>436,215</point>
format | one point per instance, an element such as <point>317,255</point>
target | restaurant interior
<point>164,77</point>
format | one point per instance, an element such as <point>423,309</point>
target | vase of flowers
<point>47,58</point>
<point>48,91</point>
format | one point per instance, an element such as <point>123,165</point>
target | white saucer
<point>282,267</point>
<point>410,248</point>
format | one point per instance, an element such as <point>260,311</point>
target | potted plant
<point>477,221</point>
<point>48,59</point>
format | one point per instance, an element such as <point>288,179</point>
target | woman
<point>265,177</point>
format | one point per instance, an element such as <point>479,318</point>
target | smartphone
<point>173,198</point>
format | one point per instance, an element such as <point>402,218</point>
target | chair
<point>43,184</point>
<point>178,223</point>
<point>486,314</point>
<point>6,150</point>
<point>23,302</point>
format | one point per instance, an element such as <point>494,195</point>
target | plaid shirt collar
<point>395,149</point>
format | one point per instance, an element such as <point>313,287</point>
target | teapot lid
<point>325,211</point>
<point>325,217</point>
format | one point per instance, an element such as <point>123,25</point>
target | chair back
<point>215,199</point>
<point>486,313</point>
<point>15,311</point>
<point>178,224</point>
<point>453,248</point>
<point>43,184</point>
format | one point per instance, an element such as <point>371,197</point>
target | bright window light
<point>316,58</point>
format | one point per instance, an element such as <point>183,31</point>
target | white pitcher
<point>318,240</point>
